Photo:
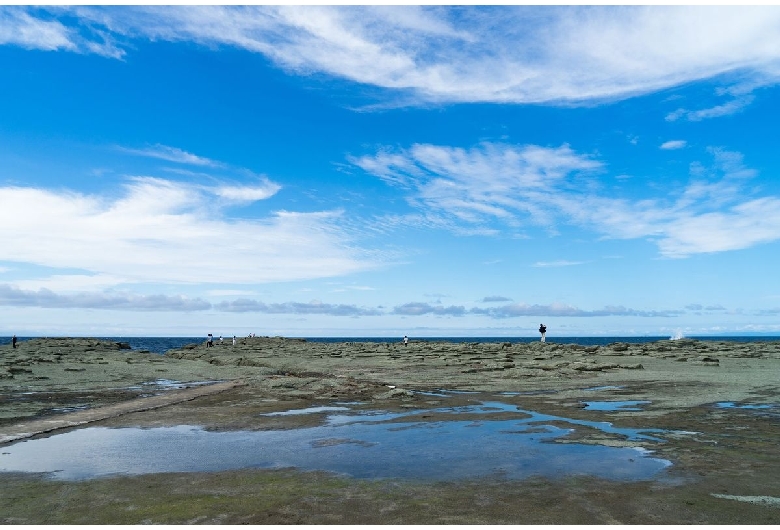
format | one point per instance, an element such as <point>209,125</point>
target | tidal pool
<point>732,405</point>
<point>481,440</point>
<point>768,410</point>
<point>614,406</point>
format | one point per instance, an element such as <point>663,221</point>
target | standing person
<point>406,340</point>
<point>234,340</point>
<point>220,340</point>
<point>542,330</point>
<point>13,341</point>
<point>210,341</point>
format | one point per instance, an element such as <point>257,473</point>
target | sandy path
<point>31,428</point>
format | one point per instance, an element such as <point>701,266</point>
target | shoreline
<point>163,344</point>
<point>109,371</point>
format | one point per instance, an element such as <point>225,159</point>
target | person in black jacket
<point>542,330</point>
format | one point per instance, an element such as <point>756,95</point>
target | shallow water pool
<point>614,406</point>
<point>481,440</point>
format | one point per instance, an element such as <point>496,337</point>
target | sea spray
<point>677,335</point>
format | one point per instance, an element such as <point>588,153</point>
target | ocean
<point>162,344</point>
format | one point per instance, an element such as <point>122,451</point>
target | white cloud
<point>526,310</point>
<point>171,154</point>
<point>230,193</point>
<point>509,54</point>
<point>496,186</point>
<point>558,263</point>
<point>565,310</point>
<point>742,226</point>
<point>35,28</point>
<point>21,29</point>
<point>315,307</point>
<point>12,296</point>
<point>482,183</point>
<point>726,109</point>
<point>69,283</point>
<point>496,299</point>
<point>247,193</point>
<point>674,144</point>
<point>712,213</point>
<point>422,308</point>
<point>164,231</point>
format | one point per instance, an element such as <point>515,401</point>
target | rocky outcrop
<point>55,373</point>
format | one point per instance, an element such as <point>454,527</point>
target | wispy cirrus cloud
<point>726,109</point>
<point>263,188</point>
<point>37,28</point>
<point>713,212</point>
<point>171,154</point>
<point>20,28</point>
<point>488,181</point>
<point>246,193</point>
<point>557,263</point>
<point>498,188</point>
<point>503,54</point>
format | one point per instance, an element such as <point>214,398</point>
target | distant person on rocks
<point>210,341</point>
<point>406,340</point>
<point>13,341</point>
<point>220,339</point>
<point>543,330</point>
<point>234,340</point>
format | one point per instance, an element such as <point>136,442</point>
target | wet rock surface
<point>718,454</point>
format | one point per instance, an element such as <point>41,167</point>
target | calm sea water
<point>163,344</point>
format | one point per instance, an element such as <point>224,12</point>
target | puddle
<point>168,384</point>
<point>432,394</point>
<point>766,410</point>
<point>731,405</point>
<point>74,408</point>
<point>495,440</point>
<point>529,393</point>
<point>614,406</point>
<point>310,410</point>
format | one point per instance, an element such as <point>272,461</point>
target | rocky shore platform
<point>717,402</point>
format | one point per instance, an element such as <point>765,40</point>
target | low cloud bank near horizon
<point>244,305</point>
<point>11,296</point>
<point>44,298</point>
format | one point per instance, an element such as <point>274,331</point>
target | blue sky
<point>381,171</point>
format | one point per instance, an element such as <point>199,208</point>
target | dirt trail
<point>27,429</point>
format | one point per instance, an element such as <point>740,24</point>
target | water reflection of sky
<point>614,406</point>
<point>732,405</point>
<point>767,410</point>
<point>361,444</point>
